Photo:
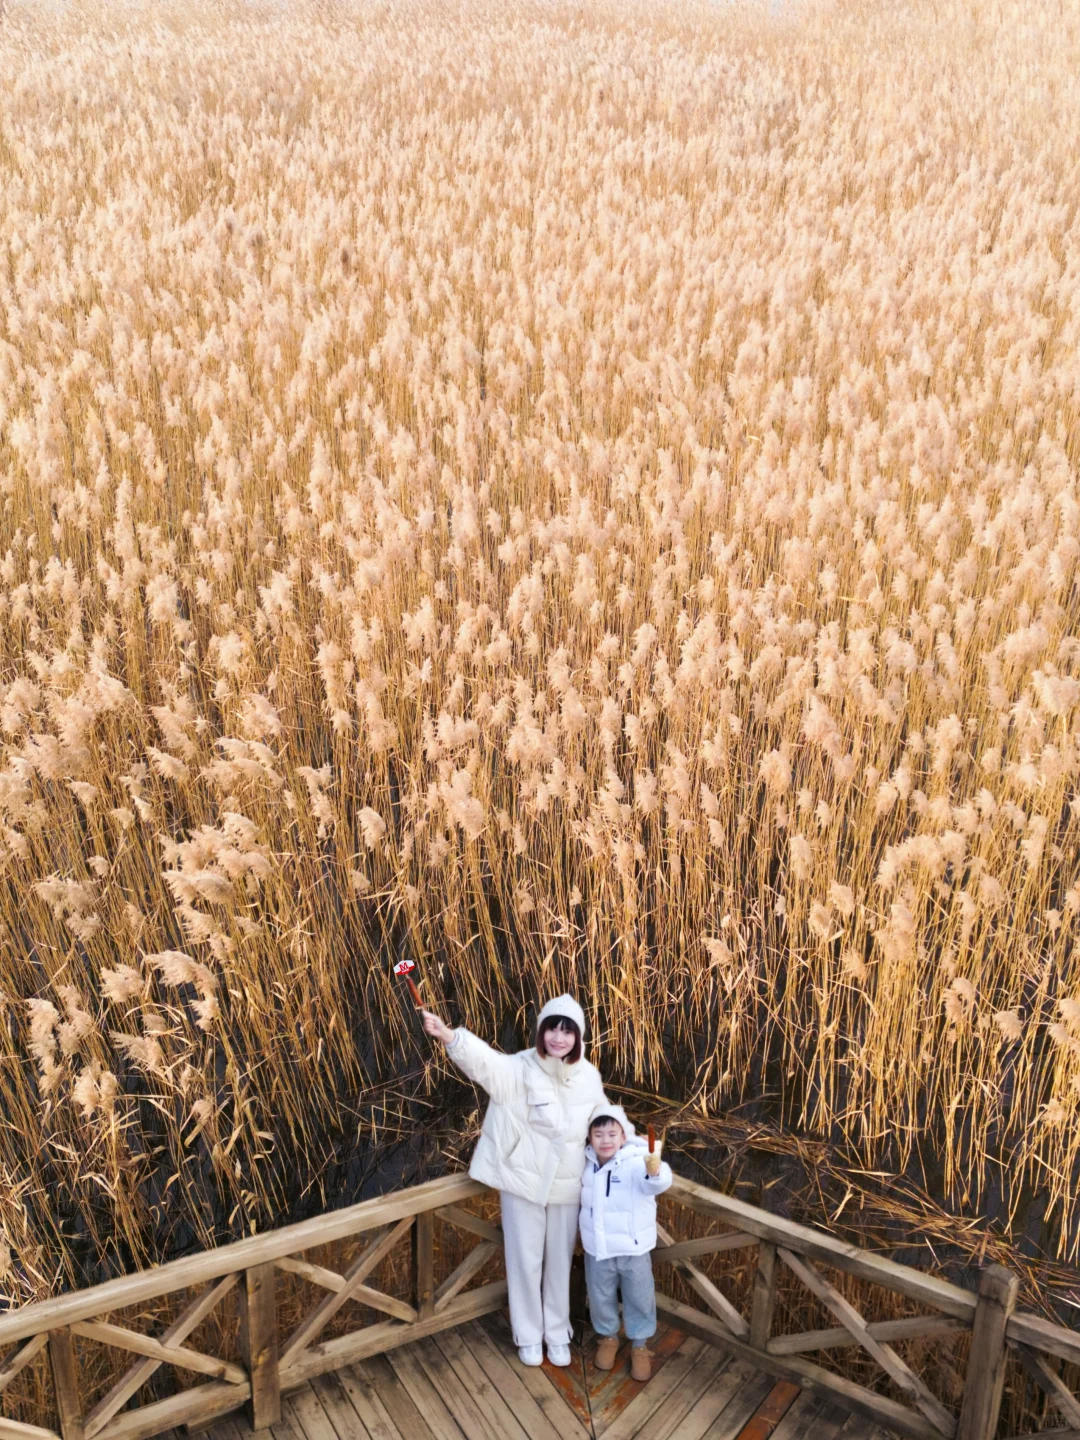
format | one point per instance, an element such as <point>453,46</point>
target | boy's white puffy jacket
<point>618,1200</point>
<point>536,1124</point>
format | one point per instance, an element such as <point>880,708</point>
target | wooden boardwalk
<point>386,1321</point>
<point>468,1384</point>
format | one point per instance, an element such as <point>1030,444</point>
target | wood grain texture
<point>799,1417</point>
<point>18,1430</point>
<point>657,1395</point>
<point>463,1220</point>
<point>555,1407</point>
<point>506,1380</point>
<point>469,1385</point>
<point>460,1277</point>
<point>469,1414</point>
<point>709,1376</point>
<point>801,1372</point>
<point>259,1340</point>
<point>1046,1377</point>
<point>910,1328</point>
<point>771,1411</point>
<point>398,1401</point>
<point>352,1288</point>
<point>65,1377</point>
<point>904,1279</point>
<point>1040,1334</point>
<point>21,1359</point>
<point>424,1265</point>
<point>284,1429</point>
<point>305,1411</point>
<point>611,1392</point>
<point>831,1423</point>
<point>764,1301</point>
<point>313,1274</point>
<point>136,1377</point>
<point>740,1409</point>
<point>894,1366</point>
<point>179,1356</point>
<point>716,1396</point>
<point>195,1270</point>
<point>431,1405</point>
<point>374,1339</point>
<point>347,1423</point>
<point>986,1359</point>
<point>703,1245</point>
<point>484,1392</point>
<point>361,1388</point>
<point>195,1407</point>
<point>711,1293</point>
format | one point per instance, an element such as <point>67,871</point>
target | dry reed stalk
<point>586,500</point>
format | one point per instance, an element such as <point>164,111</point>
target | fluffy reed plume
<point>586,496</point>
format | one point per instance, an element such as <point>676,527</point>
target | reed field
<point>578,494</point>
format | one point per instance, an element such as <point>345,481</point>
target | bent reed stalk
<point>583,497</point>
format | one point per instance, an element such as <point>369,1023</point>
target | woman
<point>530,1150</point>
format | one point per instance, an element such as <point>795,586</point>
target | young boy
<point>618,1233</point>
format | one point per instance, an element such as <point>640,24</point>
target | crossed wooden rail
<point>273,1363</point>
<point>989,1314</point>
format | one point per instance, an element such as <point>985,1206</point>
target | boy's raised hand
<point>436,1027</point>
<point>652,1164</point>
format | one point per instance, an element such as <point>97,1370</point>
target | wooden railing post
<point>764,1301</point>
<point>65,1383</point>
<point>423,1239</point>
<point>986,1359</point>
<point>259,1336</point>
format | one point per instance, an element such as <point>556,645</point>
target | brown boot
<point>640,1363</point>
<point>604,1359</point>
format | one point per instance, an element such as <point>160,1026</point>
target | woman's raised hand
<point>436,1027</point>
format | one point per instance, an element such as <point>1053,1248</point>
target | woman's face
<point>559,1040</point>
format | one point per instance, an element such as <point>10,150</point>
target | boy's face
<point>607,1139</point>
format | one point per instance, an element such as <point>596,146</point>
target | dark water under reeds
<point>423,1122</point>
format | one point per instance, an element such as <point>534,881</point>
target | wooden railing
<point>271,1363</point>
<point>989,1314</point>
<point>267,1362</point>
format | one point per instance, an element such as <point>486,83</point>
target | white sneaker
<point>559,1354</point>
<point>531,1354</point>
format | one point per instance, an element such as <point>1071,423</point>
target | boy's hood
<point>633,1145</point>
<point>612,1112</point>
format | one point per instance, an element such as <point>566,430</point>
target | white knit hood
<point>565,1007</point>
<point>605,1111</point>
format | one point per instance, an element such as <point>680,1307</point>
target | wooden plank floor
<point>468,1384</point>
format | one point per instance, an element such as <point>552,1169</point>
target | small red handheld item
<point>652,1140</point>
<point>402,968</point>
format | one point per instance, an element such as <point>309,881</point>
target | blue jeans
<point>632,1274</point>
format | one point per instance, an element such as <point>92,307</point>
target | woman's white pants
<point>539,1242</point>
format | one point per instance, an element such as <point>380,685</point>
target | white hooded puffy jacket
<point>618,1199</point>
<point>532,1137</point>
